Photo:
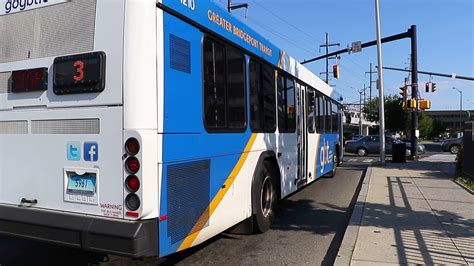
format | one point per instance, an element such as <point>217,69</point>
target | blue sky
<point>445,40</point>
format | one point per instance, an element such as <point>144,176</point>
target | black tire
<point>264,197</point>
<point>334,166</point>
<point>362,152</point>
<point>454,149</point>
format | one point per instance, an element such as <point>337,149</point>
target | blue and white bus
<point>145,127</point>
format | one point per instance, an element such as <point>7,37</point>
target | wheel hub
<point>266,201</point>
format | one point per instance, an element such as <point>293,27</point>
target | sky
<point>445,30</point>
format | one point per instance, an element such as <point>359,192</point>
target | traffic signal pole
<point>414,92</point>
<point>410,33</point>
<point>453,76</point>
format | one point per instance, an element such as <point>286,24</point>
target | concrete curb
<point>463,186</point>
<point>348,244</point>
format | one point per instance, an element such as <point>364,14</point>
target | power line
<point>279,35</point>
<point>286,22</point>
<point>353,73</point>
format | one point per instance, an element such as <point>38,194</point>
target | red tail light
<point>133,165</point>
<point>133,183</point>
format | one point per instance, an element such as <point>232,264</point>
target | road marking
<point>368,160</point>
<point>352,160</point>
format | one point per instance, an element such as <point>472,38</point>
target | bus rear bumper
<point>110,236</point>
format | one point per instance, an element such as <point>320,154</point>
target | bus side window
<point>224,88</point>
<point>262,98</point>
<point>255,103</point>
<point>328,117</point>
<point>269,101</point>
<point>281,103</point>
<point>214,88</point>
<point>335,118</point>
<point>310,110</point>
<point>286,105</point>
<point>322,114</point>
<point>291,107</point>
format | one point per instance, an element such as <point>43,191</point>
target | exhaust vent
<point>77,126</point>
<point>13,127</point>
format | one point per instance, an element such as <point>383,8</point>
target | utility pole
<point>380,84</point>
<point>360,114</point>
<point>460,108</point>
<point>327,45</point>
<point>371,81</point>
<point>414,92</point>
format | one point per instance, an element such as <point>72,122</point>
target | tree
<point>395,117</point>
<point>425,125</point>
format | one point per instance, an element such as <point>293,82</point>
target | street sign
<point>356,47</point>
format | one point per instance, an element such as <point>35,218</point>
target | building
<point>452,120</point>
<point>351,118</point>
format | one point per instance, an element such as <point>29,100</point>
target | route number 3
<point>79,65</point>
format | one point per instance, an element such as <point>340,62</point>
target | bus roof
<point>208,15</point>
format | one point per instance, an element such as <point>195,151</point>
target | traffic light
<point>433,87</point>
<point>404,95</point>
<point>425,104</point>
<point>335,71</point>
<point>413,103</point>
<point>427,86</point>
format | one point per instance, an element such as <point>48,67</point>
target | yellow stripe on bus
<point>188,241</point>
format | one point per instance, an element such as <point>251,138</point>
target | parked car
<point>452,145</point>
<point>371,145</point>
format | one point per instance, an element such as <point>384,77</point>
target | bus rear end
<point>65,174</point>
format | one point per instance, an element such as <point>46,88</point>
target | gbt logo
<point>324,155</point>
<point>91,151</point>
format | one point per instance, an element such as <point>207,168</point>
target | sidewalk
<point>411,213</point>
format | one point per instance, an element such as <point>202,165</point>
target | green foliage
<point>395,117</point>
<point>460,176</point>
<point>425,125</point>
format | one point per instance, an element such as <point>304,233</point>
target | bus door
<point>302,135</point>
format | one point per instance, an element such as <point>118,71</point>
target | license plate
<point>84,184</point>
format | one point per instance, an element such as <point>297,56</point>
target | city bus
<point>143,127</point>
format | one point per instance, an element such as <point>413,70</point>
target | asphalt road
<point>308,229</point>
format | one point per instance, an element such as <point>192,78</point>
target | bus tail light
<point>132,214</point>
<point>133,165</point>
<point>133,183</point>
<point>132,146</point>
<point>132,201</point>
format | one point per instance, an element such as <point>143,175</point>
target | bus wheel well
<point>266,160</point>
<point>272,162</point>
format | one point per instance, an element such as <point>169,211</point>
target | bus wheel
<point>334,166</point>
<point>264,198</point>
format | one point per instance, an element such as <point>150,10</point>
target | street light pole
<point>460,107</point>
<point>380,84</point>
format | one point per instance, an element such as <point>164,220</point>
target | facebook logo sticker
<point>91,151</point>
<point>74,151</point>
